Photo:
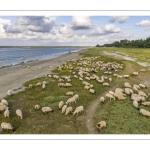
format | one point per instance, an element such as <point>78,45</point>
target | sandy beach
<point>13,77</point>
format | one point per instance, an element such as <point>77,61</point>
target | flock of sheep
<point>86,69</point>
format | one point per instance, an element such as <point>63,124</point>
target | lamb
<point>135,104</point>
<point>92,91</point>
<point>144,112</point>
<point>109,96</point>
<point>60,105</point>
<point>6,126</point>
<point>146,103</point>
<point>71,100</point>
<point>69,93</point>
<point>19,113</point>
<point>102,99</point>
<point>106,84</point>
<point>46,110</point>
<point>100,125</point>
<point>9,92</point>
<point>4,102</point>
<point>6,113</point>
<point>68,110</point>
<point>64,109</point>
<point>37,107</point>
<point>78,110</point>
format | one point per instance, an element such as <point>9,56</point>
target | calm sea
<point>17,55</point>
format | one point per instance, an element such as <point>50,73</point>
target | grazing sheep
<point>106,84</point>
<point>141,93</point>
<point>69,93</point>
<point>68,110</point>
<point>19,113</point>
<point>135,104</point>
<point>102,99</point>
<point>60,105</point>
<point>146,103</point>
<point>108,95</point>
<point>78,110</point>
<point>37,107</point>
<point>9,92</point>
<point>92,91</point>
<point>100,125</point>
<point>4,102</point>
<point>144,112</point>
<point>43,86</point>
<point>121,97</point>
<point>71,100</point>
<point>142,86</point>
<point>6,126</point>
<point>86,87</point>
<point>46,110</point>
<point>135,73</point>
<point>110,79</point>
<point>76,96</point>
<point>126,76</point>
<point>128,91</point>
<point>135,88</point>
<point>127,85</point>
<point>3,107</point>
<point>64,109</point>
<point>68,84</point>
<point>6,113</point>
<point>111,92</point>
<point>136,97</point>
<point>30,86</point>
<point>39,84</point>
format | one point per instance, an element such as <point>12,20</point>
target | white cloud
<point>143,23</point>
<point>120,19</point>
<point>81,23</point>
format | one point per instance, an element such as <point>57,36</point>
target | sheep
<point>144,112</point>
<point>135,73</point>
<point>127,85</point>
<point>9,92</point>
<point>102,99</point>
<point>141,93</point>
<point>6,126</point>
<point>6,113</point>
<point>135,104</point>
<point>3,107</point>
<point>126,76</point>
<point>68,110</point>
<point>64,109</point>
<point>128,91</point>
<point>78,110</point>
<point>142,86</point>
<point>146,103</point>
<point>43,86</point>
<point>39,84</point>
<point>46,110</point>
<point>60,105</point>
<point>19,113</point>
<point>71,100</point>
<point>4,102</point>
<point>30,86</point>
<point>92,91</point>
<point>100,125</point>
<point>136,97</point>
<point>76,96</point>
<point>121,97</point>
<point>111,92</point>
<point>110,79</point>
<point>86,87</point>
<point>137,86</point>
<point>69,93</point>
<point>106,84</point>
<point>68,84</point>
<point>37,107</point>
<point>109,96</point>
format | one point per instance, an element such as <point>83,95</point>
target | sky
<point>71,30</point>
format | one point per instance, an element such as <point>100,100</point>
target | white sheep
<point>69,110</point>
<point>39,84</point>
<point>71,100</point>
<point>106,84</point>
<point>127,85</point>
<point>86,87</point>
<point>3,107</point>
<point>111,92</point>
<point>64,109</point>
<point>30,86</point>
<point>92,91</point>
<point>128,91</point>
<point>100,125</point>
<point>46,110</point>
<point>108,95</point>
<point>144,112</point>
<point>4,102</point>
<point>141,93</point>
<point>19,113</point>
<point>126,76</point>
<point>6,126</point>
<point>102,99</point>
<point>76,96</point>
<point>43,86</point>
<point>9,92</point>
<point>135,104</point>
<point>6,113</point>
<point>78,110</point>
<point>137,86</point>
<point>146,103</point>
<point>135,73</point>
<point>60,105</point>
<point>37,107</point>
<point>70,93</point>
<point>121,97</point>
<point>68,84</point>
<point>142,86</point>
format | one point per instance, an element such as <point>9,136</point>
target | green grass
<point>121,116</point>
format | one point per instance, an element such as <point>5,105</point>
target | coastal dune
<point>13,77</point>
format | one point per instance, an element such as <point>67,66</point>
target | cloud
<point>107,29</point>
<point>120,19</point>
<point>143,23</point>
<point>81,23</point>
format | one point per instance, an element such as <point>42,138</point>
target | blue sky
<point>71,30</point>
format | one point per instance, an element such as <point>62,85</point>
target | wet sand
<point>13,77</point>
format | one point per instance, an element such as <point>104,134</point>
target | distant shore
<point>14,76</point>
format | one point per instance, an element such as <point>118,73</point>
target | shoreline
<point>13,77</point>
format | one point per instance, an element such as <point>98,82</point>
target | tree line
<point>141,43</point>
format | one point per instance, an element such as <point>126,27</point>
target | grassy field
<point>121,116</point>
